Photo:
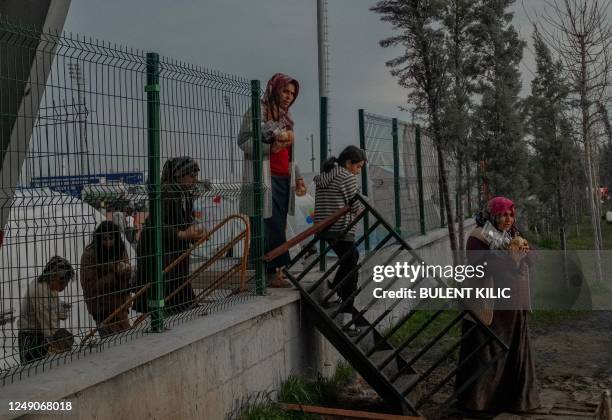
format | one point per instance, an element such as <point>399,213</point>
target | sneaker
<point>351,330</point>
<point>334,300</point>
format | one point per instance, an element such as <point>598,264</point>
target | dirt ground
<point>574,367</point>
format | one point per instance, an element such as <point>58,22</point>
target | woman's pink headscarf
<point>273,89</point>
<point>499,205</point>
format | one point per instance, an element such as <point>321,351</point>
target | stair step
<point>404,381</point>
<point>372,323</point>
<point>391,367</point>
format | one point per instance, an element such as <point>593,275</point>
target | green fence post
<point>396,177</point>
<point>419,163</point>
<point>323,152</point>
<point>156,301</point>
<point>364,176</point>
<point>258,204</point>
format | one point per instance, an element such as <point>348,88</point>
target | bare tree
<point>580,32</point>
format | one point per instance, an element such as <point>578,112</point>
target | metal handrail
<point>313,230</point>
<point>244,235</point>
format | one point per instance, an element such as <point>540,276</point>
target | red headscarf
<point>499,205</point>
<point>270,98</point>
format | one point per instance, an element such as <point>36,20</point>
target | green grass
<point>298,389</point>
<point>577,239</point>
<point>553,318</point>
<point>417,320</point>
<point>263,411</point>
<point>319,391</point>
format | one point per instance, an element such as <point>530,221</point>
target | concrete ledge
<point>202,368</point>
<point>74,377</point>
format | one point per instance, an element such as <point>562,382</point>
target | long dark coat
<point>508,382</point>
<point>177,215</point>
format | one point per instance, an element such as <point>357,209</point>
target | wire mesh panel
<point>379,146</point>
<point>201,115</point>
<point>431,183</point>
<point>409,189</point>
<point>77,255</point>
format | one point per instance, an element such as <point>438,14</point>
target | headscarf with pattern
<point>271,99</point>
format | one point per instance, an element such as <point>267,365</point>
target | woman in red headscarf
<point>281,175</point>
<point>507,381</point>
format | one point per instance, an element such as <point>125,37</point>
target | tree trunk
<point>460,195</point>
<point>468,179</point>
<point>588,159</point>
<point>561,214</point>
<point>447,202</point>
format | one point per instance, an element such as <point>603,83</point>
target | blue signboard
<point>73,184</point>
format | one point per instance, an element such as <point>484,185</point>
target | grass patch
<point>420,318</point>
<point>553,318</point>
<point>319,391</point>
<point>269,411</point>
<point>259,406</point>
<point>297,389</point>
<point>578,238</point>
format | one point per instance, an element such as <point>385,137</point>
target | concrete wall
<point>203,368</point>
<point>200,369</point>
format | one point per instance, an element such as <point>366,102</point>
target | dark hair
<point>57,265</point>
<point>177,167</point>
<point>106,255</point>
<point>351,154</point>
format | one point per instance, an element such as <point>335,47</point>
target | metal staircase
<point>400,371</point>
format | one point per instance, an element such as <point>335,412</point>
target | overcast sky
<point>257,38</point>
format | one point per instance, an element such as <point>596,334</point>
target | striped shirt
<point>334,190</point>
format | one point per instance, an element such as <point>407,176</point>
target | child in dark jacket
<point>335,188</point>
<point>179,180</point>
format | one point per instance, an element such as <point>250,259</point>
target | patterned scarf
<point>271,100</point>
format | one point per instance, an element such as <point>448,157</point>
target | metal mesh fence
<point>378,141</point>
<point>80,170</point>
<point>379,146</point>
<point>409,183</point>
<point>432,198</point>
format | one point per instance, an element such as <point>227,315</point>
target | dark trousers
<point>32,346</point>
<point>349,255</point>
<point>275,226</point>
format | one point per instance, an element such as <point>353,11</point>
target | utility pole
<point>322,46</point>
<point>323,92</point>
<point>81,109</point>
<point>323,57</point>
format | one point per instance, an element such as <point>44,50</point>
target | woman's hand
<point>283,140</point>
<point>123,267</point>
<point>286,138</point>
<point>518,249</point>
<point>192,233</point>
<point>300,188</point>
